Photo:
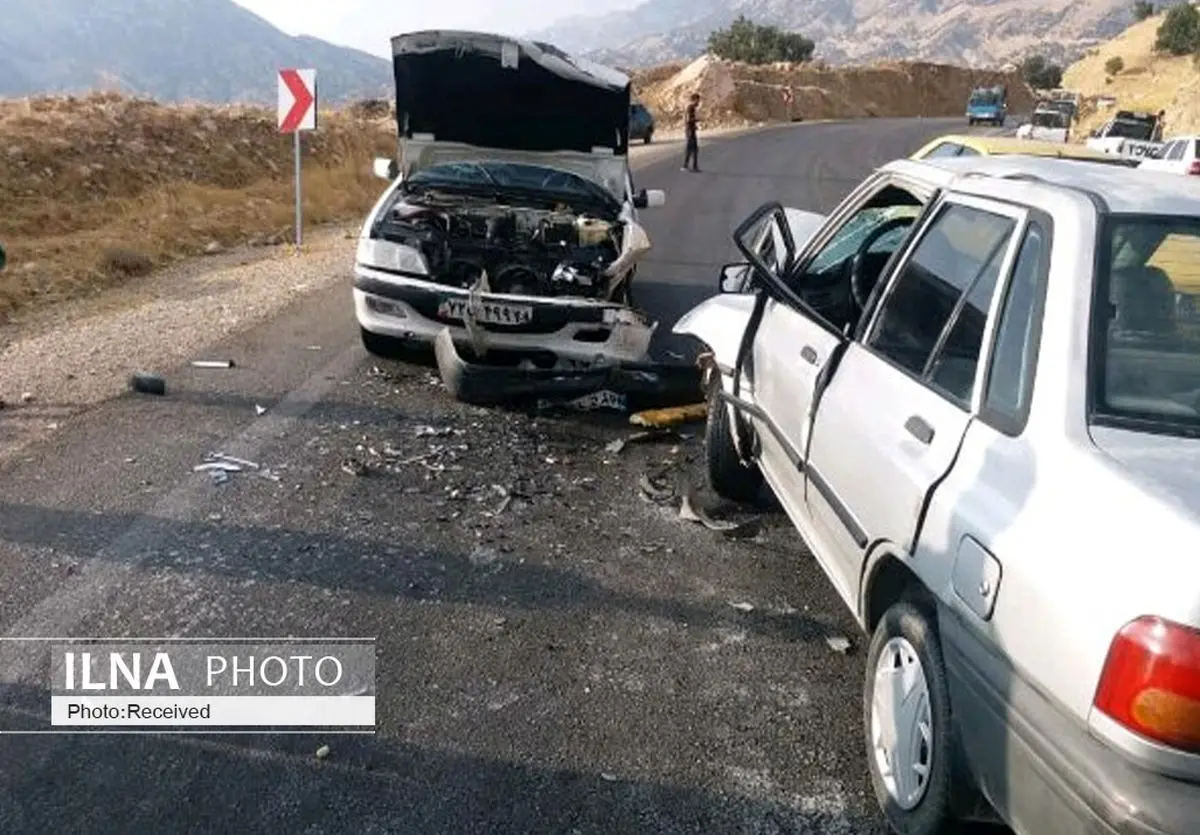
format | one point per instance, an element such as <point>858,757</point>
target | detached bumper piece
<point>637,386</point>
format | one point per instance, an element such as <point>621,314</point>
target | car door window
<point>1174,151</point>
<point>953,267</point>
<point>1014,357</point>
<point>946,149</point>
<point>967,151</point>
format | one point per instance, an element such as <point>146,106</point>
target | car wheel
<point>907,724</point>
<point>971,122</point>
<point>729,477</point>
<point>649,134</point>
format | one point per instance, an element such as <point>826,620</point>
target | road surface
<point>557,652</point>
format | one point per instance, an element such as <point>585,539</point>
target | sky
<point>369,24</point>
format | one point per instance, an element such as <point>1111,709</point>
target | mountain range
<point>172,50</point>
<point>976,33</point>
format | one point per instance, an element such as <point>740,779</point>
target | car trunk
<point>496,92</point>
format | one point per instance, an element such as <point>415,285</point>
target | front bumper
<point>578,330</point>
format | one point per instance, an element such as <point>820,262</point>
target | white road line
<point>60,614</point>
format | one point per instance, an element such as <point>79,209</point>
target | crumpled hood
<point>492,91</point>
<point>607,171</point>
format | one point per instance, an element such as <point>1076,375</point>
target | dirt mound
<point>96,189</point>
<point>1148,81</point>
<point>734,93</point>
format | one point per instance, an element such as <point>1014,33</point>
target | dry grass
<point>1149,81</point>
<point>96,190</point>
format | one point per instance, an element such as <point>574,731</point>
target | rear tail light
<point>1194,168</point>
<point>1151,682</point>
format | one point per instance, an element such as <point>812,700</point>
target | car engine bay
<point>543,250</point>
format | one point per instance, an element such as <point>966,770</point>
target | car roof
<point>1131,190</point>
<point>1012,145</point>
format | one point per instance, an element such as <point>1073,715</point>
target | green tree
<point>1040,74</point>
<point>1114,65</point>
<point>1179,33</point>
<point>752,43</point>
<point>1143,9</point>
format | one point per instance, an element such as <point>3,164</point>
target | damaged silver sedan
<point>511,219</point>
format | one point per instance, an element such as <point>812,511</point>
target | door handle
<point>808,354</point>
<point>919,429</point>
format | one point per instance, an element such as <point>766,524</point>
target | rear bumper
<point>1040,768</point>
<point>578,330</point>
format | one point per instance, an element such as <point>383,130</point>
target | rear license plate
<point>491,313</point>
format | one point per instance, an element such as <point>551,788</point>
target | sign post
<point>297,113</point>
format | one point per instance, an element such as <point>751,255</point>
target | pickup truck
<point>1128,134</point>
<point>987,104</point>
<point>969,390</point>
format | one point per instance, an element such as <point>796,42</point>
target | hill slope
<point>1148,82</point>
<point>174,50</point>
<point>972,32</point>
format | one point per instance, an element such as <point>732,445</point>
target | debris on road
<point>838,644</point>
<point>148,384</point>
<point>655,492</point>
<point>671,416</point>
<point>220,466</point>
<point>322,752</point>
<point>743,607</point>
<point>213,364</point>
<point>689,512</point>
<point>354,467</point>
<point>641,437</point>
<point>27,397</point>
<point>260,410</point>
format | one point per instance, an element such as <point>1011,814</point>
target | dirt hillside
<point>98,189</point>
<point>735,93</point>
<point>1148,81</point>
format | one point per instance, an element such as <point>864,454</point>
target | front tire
<point>728,477</point>
<point>911,753</point>
<point>649,134</point>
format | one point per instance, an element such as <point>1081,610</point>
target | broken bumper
<point>639,385</point>
<point>572,329</point>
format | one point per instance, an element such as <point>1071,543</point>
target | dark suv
<point>641,123</point>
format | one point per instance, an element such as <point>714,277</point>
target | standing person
<point>1157,135</point>
<point>692,150</point>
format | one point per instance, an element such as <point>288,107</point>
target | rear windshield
<point>1146,340</point>
<point>1131,130</point>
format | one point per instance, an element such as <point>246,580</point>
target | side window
<point>1175,151</point>
<point>953,268</point>
<point>1010,381</point>
<point>966,151</point>
<point>946,149</point>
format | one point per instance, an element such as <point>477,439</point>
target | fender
<point>719,323</point>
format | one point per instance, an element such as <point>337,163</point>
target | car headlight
<point>385,255</point>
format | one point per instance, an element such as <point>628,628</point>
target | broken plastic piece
<point>838,644</point>
<point>689,512</point>
<point>221,456</point>
<point>743,607</point>
<point>653,492</point>
<point>148,384</point>
<point>213,364</point>
<point>217,466</point>
<point>671,416</point>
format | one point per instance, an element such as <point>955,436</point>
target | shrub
<point>752,43</point>
<point>1142,10</point>
<point>1114,65</point>
<point>1040,74</point>
<point>1179,33</point>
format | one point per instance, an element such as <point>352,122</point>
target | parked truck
<point>988,104</point>
<point>1128,134</point>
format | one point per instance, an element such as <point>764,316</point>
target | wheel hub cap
<point>901,723</point>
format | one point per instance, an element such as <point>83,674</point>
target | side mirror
<point>386,168</point>
<point>650,199</point>
<point>735,278</point>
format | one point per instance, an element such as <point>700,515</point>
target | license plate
<point>487,312</point>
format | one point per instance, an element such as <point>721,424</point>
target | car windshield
<point>1128,129</point>
<point>984,100</point>
<point>1049,119</point>
<point>1146,356</point>
<point>510,176</point>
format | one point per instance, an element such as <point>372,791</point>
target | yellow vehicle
<point>959,145</point>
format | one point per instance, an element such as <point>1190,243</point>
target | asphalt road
<point>556,652</point>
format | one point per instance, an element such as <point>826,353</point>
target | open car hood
<point>491,91</point>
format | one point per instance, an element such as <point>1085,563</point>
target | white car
<point>511,218</point>
<point>1180,155</point>
<point>970,392</point>
<point>1050,125</point>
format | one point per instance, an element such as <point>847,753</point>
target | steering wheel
<point>859,287</point>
